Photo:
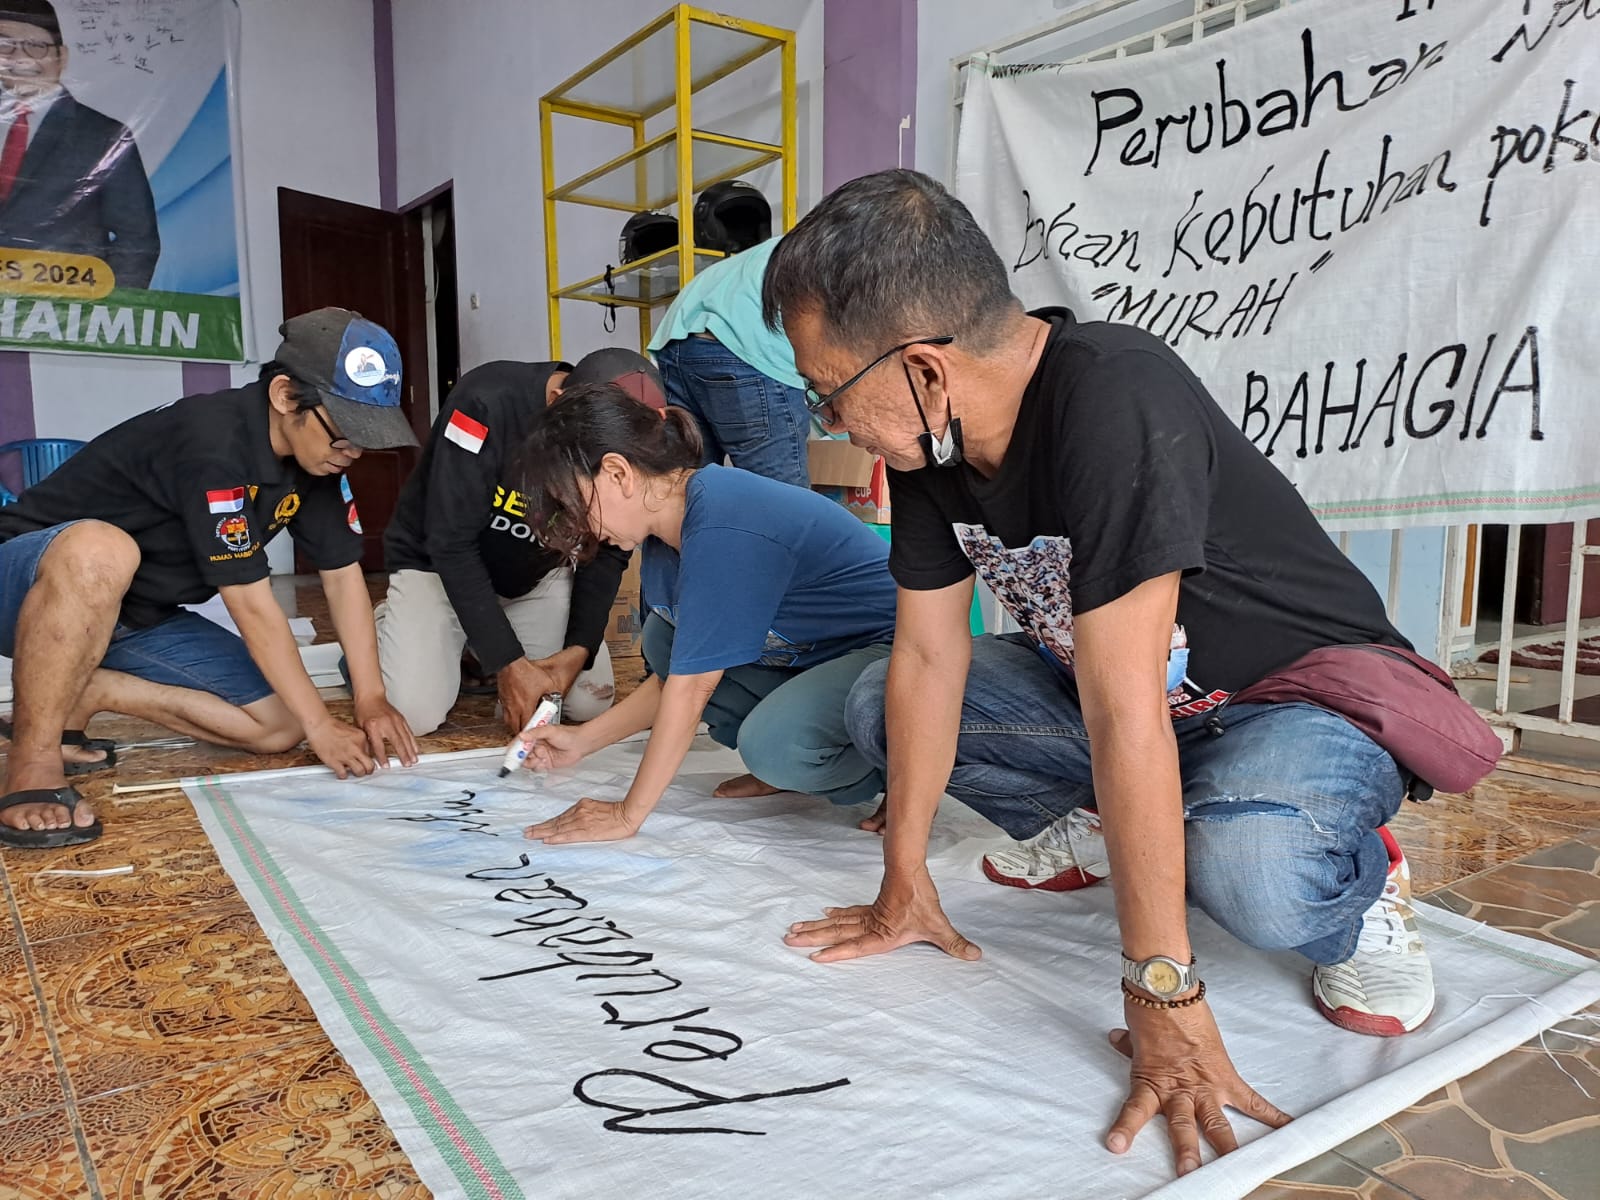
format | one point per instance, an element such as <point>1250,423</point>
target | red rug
<point>1546,656</point>
<point>1584,712</point>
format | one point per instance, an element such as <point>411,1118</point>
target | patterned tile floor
<point>152,1045</point>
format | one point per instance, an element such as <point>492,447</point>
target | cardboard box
<point>851,477</point>
<point>625,622</point>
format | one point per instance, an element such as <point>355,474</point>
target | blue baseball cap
<point>355,366</point>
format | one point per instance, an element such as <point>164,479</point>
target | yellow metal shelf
<point>643,283</point>
<point>658,70</point>
<point>653,169</point>
<point>638,77</point>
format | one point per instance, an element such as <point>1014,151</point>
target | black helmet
<point>731,216</point>
<point>647,233</point>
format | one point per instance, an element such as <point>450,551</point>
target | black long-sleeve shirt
<point>461,516</point>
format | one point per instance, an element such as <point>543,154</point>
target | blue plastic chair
<point>5,496</point>
<point>40,456</point>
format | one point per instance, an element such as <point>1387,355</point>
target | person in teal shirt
<point>737,377</point>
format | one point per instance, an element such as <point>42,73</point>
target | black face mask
<point>939,452</point>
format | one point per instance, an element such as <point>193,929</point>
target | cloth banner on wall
<point>1373,229</point>
<point>117,212</point>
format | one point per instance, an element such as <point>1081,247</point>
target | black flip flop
<point>46,839</point>
<point>81,740</point>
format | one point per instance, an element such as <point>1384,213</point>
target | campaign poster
<point>118,231</point>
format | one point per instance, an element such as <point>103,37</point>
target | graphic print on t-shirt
<point>1032,582</point>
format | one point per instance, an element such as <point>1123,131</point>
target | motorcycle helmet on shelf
<point>731,216</point>
<point>646,233</point>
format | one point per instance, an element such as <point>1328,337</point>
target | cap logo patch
<point>365,367</point>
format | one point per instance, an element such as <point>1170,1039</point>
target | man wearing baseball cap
<point>469,569</point>
<point>168,509</point>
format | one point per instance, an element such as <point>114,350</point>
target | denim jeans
<point>787,725</point>
<point>758,423</point>
<point>183,651</point>
<point>1280,810</point>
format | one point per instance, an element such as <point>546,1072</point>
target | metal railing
<point>1562,723</point>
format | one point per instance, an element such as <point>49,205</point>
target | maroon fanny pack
<point>1400,700</point>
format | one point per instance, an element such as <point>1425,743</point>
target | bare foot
<point>81,754</point>
<point>744,787</point>
<point>47,816</point>
<point>74,754</point>
<point>876,822</point>
<point>41,816</point>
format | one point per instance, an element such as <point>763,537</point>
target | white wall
<point>949,29</point>
<point>468,78</point>
<point>307,121</point>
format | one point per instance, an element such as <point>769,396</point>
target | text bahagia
<point>1424,396</point>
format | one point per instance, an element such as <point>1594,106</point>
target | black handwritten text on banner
<point>1373,229</point>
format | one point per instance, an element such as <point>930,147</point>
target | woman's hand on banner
<point>586,821</point>
<point>905,912</point>
<point>1181,1070</point>
<point>553,746</point>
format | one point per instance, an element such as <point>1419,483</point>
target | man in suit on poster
<point>71,178</point>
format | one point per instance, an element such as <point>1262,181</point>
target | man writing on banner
<point>1159,564</point>
<point>71,179</point>
<point>469,569</point>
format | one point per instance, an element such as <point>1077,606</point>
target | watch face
<point>1161,978</point>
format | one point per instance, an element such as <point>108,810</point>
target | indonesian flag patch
<point>228,500</point>
<point>465,432</point>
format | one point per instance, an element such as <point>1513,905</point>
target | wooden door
<point>1548,552</point>
<point>368,260</point>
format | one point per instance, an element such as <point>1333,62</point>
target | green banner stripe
<point>143,324</point>
<point>1503,501</point>
<point>460,1143</point>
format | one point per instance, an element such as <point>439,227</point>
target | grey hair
<point>891,256</point>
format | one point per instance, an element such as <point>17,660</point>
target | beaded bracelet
<point>1145,1002</point>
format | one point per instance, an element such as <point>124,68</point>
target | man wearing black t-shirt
<point>468,565</point>
<point>168,509</point>
<point>1157,564</point>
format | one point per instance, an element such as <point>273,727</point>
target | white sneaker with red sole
<point>1070,854</point>
<point>1386,987</point>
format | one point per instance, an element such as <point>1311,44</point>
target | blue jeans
<point>185,650</point>
<point>787,725</point>
<point>1280,811</point>
<point>758,423</point>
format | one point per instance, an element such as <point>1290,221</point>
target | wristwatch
<point>1161,976</point>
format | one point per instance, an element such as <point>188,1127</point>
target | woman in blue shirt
<point>765,603</point>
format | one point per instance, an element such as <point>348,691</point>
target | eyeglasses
<point>34,48</point>
<point>335,442</point>
<point>825,407</point>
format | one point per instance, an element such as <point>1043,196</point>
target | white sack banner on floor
<point>1373,229</point>
<point>623,1019</point>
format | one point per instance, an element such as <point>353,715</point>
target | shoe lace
<point>1383,926</point>
<point>1063,835</point>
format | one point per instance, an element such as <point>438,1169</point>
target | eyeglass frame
<point>27,46</point>
<point>335,441</point>
<point>816,402</point>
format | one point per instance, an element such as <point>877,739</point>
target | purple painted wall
<point>200,378</point>
<point>16,409</point>
<point>383,81</point>
<point>869,83</point>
